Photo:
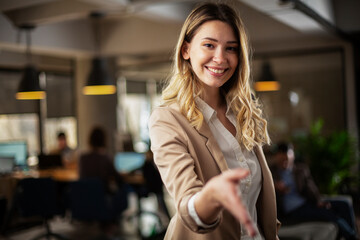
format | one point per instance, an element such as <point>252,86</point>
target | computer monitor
<point>128,161</point>
<point>6,165</point>
<point>16,150</point>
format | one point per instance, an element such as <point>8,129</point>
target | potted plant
<point>331,158</point>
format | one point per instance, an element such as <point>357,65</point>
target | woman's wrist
<point>206,206</point>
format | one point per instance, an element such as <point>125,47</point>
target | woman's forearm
<point>206,207</point>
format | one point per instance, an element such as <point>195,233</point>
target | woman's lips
<point>216,71</point>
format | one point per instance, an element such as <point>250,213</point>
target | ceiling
<point>342,13</point>
<point>39,12</point>
<point>148,29</point>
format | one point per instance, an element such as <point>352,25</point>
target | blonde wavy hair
<point>184,86</point>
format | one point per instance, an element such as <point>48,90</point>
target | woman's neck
<point>214,99</point>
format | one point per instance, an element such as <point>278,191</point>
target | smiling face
<point>213,53</point>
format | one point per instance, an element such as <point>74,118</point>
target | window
<point>14,127</point>
<point>19,119</point>
<point>135,106</point>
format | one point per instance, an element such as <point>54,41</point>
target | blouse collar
<point>207,111</point>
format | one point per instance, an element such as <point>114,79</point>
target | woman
<point>210,123</point>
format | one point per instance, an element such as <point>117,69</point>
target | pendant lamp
<point>267,80</point>
<point>100,81</point>
<point>29,87</point>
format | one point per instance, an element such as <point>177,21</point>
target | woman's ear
<point>185,50</point>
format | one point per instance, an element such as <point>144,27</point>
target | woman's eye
<point>208,45</point>
<point>232,49</point>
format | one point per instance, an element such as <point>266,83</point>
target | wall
<point>93,110</point>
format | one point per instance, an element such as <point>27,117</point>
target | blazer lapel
<point>213,146</point>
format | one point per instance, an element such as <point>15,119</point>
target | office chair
<point>38,197</point>
<point>89,201</point>
<point>153,184</point>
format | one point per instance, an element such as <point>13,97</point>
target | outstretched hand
<point>222,192</point>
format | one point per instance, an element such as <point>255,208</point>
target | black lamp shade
<point>29,87</point>
<point>267,80</point>
<point>99,81</point>
<point>266,73</point>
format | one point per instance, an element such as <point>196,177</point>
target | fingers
<point>237,208</point>
<point>236,174</point>
<point>234,202</point>
<point>224,189</point>
<point>248,223</point>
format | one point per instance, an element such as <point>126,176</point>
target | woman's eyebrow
<point>215,40</point>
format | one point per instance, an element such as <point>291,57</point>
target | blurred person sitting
<point>97,164</point>
<point>62,145</point>
<point>68,154</point>
<point>299,199</point>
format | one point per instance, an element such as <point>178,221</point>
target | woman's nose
<point>219,56</point>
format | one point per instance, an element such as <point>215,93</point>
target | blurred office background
<point>309,47</point>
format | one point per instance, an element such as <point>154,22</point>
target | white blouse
<point>236,156</point>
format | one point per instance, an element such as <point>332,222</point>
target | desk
<point>8,183</point>
<point>133,178</point>
<point>58,174</point>
<point>8,188</point>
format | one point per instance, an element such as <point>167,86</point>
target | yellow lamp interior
<point>99,90</point>
<point>266,86</point>
<point>30,95</point>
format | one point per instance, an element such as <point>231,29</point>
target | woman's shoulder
<point>171,109</point>
<point>168,114</point>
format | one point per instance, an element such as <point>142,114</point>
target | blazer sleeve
<point>170,145</point>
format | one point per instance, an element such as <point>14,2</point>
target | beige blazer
<point>187,159</point>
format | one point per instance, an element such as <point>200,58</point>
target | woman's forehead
<point>217,30</point>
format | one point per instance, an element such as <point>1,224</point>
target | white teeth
<point>216,70</point>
